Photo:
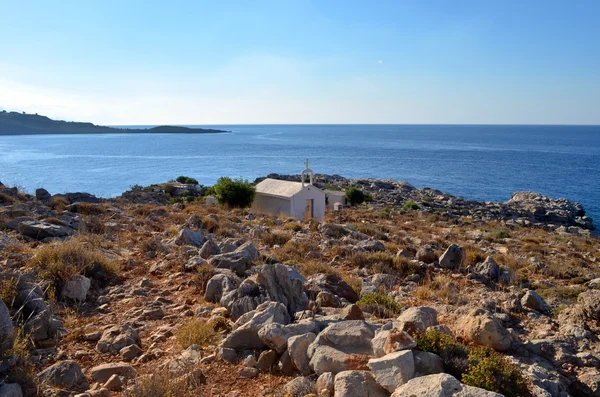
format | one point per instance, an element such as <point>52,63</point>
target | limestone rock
<point>238,261</point>
<point>246,337</point>
<point>335,347</point>
<point>101,373</point>
<point>330,283</point>
<point>209,248</point>
<point>427,363</point>
<point>371,245</point>
<point>6,329</point>
<point>418,319</point>
<point>590,304</point>
<point>276,335</point>
<point>357,383</point>
<point>65,374</point>
<point>440,385</point>
<point>532,300</point>
<point>38,230</point>
<point>325,381</point>
<point>76,288</point>
<point>299,387</point>
<point>482,328</point>
<point>488,268</point>
<point>116,338</point>
<point>426,254</point>
<point>453,257</point>
<point>298,350</point>
<point>219,285</point>
<point>190,237</point>
<point>283,284</point>
<point>394,369</point>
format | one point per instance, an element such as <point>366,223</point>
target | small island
<point>14,123</point>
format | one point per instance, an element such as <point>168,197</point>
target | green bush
<point>411,205</point>
<point>379,304</point>
<point>186,180</point>
<point>475,366</point>
<point>355,196</point>
<point>234,192</point>
<point>492,371</point>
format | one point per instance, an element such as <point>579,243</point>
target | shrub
<point>202,277</point>
<point>195,332</point>
<point>237,193</point>
<point>186,180</point>
<point>410,205</point>
<point>492,371</point>
<point>355,196</point>
<point>164,384</point>
<point>275,238</point>
<point>6,199</point>
<point>379,304</point>
<point>62,261</point>
<point>58,203</point>
<point>88,208</point>
<point>475,366</point>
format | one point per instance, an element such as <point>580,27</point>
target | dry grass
<point>61,261</point>
<point>164,384</point>
<point>8,290</point>
<point>201,278</point>
<point>312,267</point>
<point>6,199</point>
<point>58,204</point>
<point>195,332</point>
<point>275,238</point>
<point>442,287</point>
<point>89,208</point>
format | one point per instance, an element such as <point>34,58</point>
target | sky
<point>147,62</point>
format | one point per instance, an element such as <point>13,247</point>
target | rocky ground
<point>122,297</point>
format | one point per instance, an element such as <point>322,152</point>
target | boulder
<point>102,373</point>
<point>209,248</point>
<point>190,237</point>
<point>440,385</point>
<point>238,261</point>
<point>299,387</point>
<point>482,328</point>
<point>11,390</point>
<point>6,329</point>
<point>276,335</point>
<point>297,347</point>
<point>42,195</point>
<point>330,283</point>
<point>426,254</point>
<point>427,363</point>
<point>76,288</point>
<point>219,285</point>
<point>81,197</point>
<point>43,325</point>
<point>244,299</point>
<point>453,257</point>
<point>532,300</point>
<point>338,345</point>
<point>590,304</point>
<point>245,336</point>
<point>352,312</point>
<point>417,319</point>
<point>488,268</point>
<point>6,240</point>
<point>371,245</point>
<point>65,374</point>
<point>393,370</point>
<point>38,230</point>
<point>116,338</point>
<point>377,282</point>
<point>389,341</point>
<point>357,383</point>
<point>326,381</point>
<point>283,284</point>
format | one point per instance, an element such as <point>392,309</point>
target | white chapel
<point>299,200</point>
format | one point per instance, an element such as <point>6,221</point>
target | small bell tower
<point>305,172</point>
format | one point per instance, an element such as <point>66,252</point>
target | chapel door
<point>309,209</point>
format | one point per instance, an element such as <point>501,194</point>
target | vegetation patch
<point>410,205</point>
<point>379,304</point>
<point>275,238</point>
<point>8,290</point>
<point>62,261</point>
<point>195,332</point>
<point>475,366</point>
<point>187,180</point>
<point>235,193</point>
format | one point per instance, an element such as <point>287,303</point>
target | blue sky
<point>224,62</point>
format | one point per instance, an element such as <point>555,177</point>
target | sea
<point>479,162</point>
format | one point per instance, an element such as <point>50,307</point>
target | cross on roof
<point>306,163</point>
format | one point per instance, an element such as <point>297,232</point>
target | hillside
<point>134,297</point>
<point>13,123</point>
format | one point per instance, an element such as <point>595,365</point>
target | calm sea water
<point>475,162</point>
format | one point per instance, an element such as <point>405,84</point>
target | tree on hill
<point>355,196</point>
<point>234,192</point>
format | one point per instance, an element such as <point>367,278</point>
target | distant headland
<point>14,123</point>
